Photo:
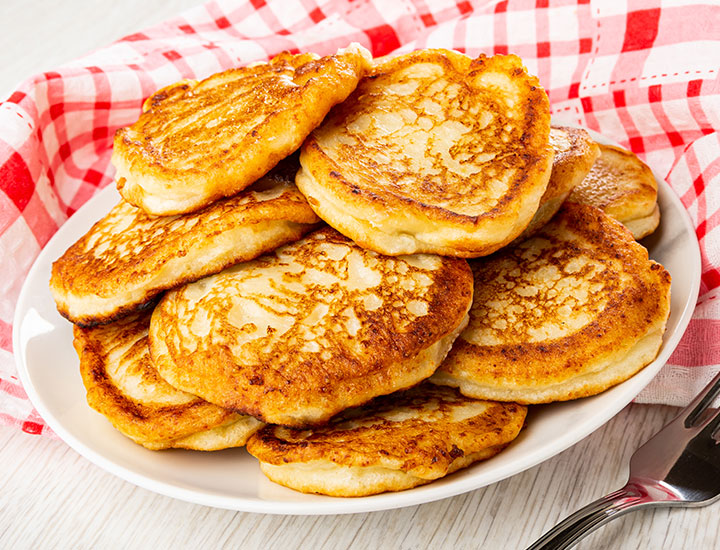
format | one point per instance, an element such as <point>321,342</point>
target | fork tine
<point>701,402</point>
<point>712,428</point>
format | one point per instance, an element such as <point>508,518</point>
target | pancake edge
<point>644,226</point>
<point>243,243</point>
<point>223,430</point>
<point>608,374</point>
<point>328,478</point>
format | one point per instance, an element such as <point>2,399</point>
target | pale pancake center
<point>287,304</point>
<point>538,292</point>
<point>426,131</point>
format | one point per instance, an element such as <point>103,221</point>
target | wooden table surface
<point>50,497</point>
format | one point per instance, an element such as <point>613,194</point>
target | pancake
<point>123,385</point>
<point>568,313</point>
<point>574,153</point>
<point>644,225</point>
<point>624,187</point>
<point>196,142</point>
<point>128,257</point>
<point>316,327</point>
<point>395,442</point>
<point>434,152</point>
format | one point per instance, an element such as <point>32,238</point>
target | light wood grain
<point>39,35</point>
<point>50,497</point>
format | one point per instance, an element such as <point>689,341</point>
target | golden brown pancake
<point>574,153</point>
<point>393,443</point>
<point>568,313</point>
<point>624,187</point>
<point>317,326</point>
<point>434,152</point>
<point>196,142</point>
<point>128,257</point>
<point>123,385</point>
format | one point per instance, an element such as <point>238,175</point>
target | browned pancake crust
<point>126,251</point>
<point>574,153</point>
<point>156,425</point>
<point>582,263</point>
<point>196,142</point>
<point>498,140</point>
<point>422,431</point>
<point>336,346</point>
<point>620,184</point>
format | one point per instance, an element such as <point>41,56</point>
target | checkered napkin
<point>643,73</point>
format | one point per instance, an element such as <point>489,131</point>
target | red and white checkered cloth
<point>644,73</point>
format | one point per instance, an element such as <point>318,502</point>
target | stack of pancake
<point>365,271</point>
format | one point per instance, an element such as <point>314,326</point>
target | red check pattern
<point>644,73</point>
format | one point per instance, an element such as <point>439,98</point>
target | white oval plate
<point>231,479</point>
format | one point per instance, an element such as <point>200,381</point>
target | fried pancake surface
<point>434,152</point>
<point>624,187</point>
<point>128,257</point>
<point>574,153</point>
<point>395,442</point>
<point>566,314</point>
<point>123,385</point>
<point>311,329</point>
<point>196,142</point>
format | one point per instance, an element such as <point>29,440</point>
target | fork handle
<point>583,522</point>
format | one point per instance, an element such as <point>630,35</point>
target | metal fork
<point>678,466</point>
